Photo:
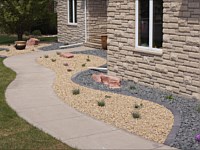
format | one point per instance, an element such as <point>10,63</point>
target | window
<point>149,24</point>
<point>72,11</point>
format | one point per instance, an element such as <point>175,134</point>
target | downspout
<point>85,21</point>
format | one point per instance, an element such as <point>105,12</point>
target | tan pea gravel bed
<point>155,123</point>
<point>12,50</point>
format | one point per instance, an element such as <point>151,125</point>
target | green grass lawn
<point>10,39</point>
<point>6,39</point>
<point>16,133</point>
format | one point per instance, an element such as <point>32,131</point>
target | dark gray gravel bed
<point>53,46</point>
<point>2,49</point>
<point>187,118</point>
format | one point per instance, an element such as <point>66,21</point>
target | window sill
<point>72,24</point>
<point>149,51</point>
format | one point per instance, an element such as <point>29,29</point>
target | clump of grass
<point>75,91</point>
<point>169,97</point>
<point>53,60</point>
<point>138,106</point>
<point>132,87</point>
<point>58,53</point>
<point>198,108</point>
<point>46,56</point>
<point>101,103</point>
<point>136,115</point>
<point>107,96</point>
<point>83,65</point>
<point>88,58</point>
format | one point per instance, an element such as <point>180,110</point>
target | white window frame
<point>73,8</point>
<point>150,47</point>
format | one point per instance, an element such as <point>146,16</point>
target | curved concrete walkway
<point>31,95</point>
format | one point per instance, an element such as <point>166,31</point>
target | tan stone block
<point>131,59</point>
<point>178,79</point>
<point>172,69</point>
<point>163,81</point>
<point>193,41</point>
<point>192,88</point>
<point>184,29</point>
<point>196,95</point>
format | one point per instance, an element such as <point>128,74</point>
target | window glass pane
<point>70,11</point>
<point>143,30</point>
<point>75,5</point>
<point>157,23</point>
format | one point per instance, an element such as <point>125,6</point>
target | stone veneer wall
<point>97,19</point>
<point>178,68</point>
<point>71,34</point>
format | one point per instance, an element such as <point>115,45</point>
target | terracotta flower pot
<point>20,45</point>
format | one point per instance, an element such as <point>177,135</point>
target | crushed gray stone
<point>187,118</point>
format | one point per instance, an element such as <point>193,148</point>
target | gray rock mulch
<point>187,118</point>
<point>53,46</point>
<point>2,49</point>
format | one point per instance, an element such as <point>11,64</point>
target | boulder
<point>96,78</point>
<point>105,79</point>
<point>67,55</point>
<point>112,82</point>
<point>32,41</point>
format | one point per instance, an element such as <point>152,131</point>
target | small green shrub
<point>46,56</point>
<point>58,53</point>
<point>169,97</point>
<point>198,108</point>
<point>137,106</point>
<point>107,96</point>
<point>132,87</point>
<point>88,58</point>
<point>101,103</point>
<point>136,115</point>
<point>37,33</point>
<point>83,65</point>
<point>75,91</point>
<point>26,33</point>
<point>53,60</point>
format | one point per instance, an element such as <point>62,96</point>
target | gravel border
<point>156,121</point>
<point>187,119</point>
<point>53,46</point>
<point>2,49</point>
